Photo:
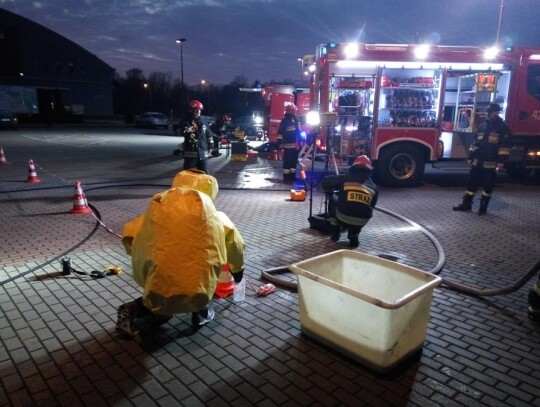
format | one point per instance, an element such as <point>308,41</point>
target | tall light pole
<point>203,84</point>
<point>500,22</point>
<point>301,60</point>
<point>181,42</point>
<point>147,86</point>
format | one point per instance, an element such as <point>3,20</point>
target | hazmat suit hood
<point>198,180</point>
<point>207,184</point>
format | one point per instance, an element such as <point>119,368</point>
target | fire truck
<point>408,105</point>
<point>275,99</point>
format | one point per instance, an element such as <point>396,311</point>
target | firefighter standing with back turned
<point>287,139</point>
<point>219,129</point>
<point>485,155</point>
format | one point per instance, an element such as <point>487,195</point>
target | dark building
<point>45,76</point>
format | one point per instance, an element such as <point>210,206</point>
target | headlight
<point>258,120</point>
<point>313,118</point>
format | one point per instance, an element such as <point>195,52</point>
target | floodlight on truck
<point>313,118</point>
<point>491,53</point>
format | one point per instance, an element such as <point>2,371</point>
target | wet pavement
<point>58,345</point>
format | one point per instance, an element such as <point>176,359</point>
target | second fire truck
<point>408,105</point>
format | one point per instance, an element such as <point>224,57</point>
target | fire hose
<point>269,274</point>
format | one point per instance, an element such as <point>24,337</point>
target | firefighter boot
<point>288,178</point>
<point>336,232</point>
<point>484,202</point>
<point>534,301</point>
<point>353,240</point>
<point>466,205</point>
<point>533,314</point>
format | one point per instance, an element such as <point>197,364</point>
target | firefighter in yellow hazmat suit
<point>178,247</point>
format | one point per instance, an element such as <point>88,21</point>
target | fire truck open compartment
<point>404,112</point>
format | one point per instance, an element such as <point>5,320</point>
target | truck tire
<point>400,166</point>
<point>517,173</point>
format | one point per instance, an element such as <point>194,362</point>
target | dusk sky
<point>262,39</point>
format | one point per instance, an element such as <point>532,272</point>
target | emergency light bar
<point>460,66</point>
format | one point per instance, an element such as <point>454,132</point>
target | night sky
<point>262,39</point>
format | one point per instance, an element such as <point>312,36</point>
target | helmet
<point>362,161</point>
<point>291,109</point>
<point>195,104</point>
<point>493,107</point>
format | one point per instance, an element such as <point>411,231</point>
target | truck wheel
<point>401,166</point>
<point>518,173</point>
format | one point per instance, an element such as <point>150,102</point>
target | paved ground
<point>57,341</point>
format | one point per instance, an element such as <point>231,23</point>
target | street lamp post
<point>207,85</point>
<point>181,42</point>
<point>301,60</point>
<point>149,88</point>
<point>501,6</point>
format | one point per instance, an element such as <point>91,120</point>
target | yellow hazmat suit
<point>179,245</point>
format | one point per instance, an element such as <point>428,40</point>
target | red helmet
<point>362,161</point>
<point>195,104</point>
<point>291,109</point>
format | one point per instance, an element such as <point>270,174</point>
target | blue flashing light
<point>509,49</point>
<point>303,135</point>
<point>332,45</point>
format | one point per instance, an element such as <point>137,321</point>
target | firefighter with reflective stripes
<point>353,197</point>
<point>287,139</point>
<point>485,154</point>
<point>196,138</point>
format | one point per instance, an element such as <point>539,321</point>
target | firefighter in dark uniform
<point>485,153</point>
<point>353,197</point>
<point>196,138</point>
<point>287,139</point>
<point>219,129</point>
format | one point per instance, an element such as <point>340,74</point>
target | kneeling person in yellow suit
<point>178,248</point>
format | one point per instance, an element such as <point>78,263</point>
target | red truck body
<point>408,105</point>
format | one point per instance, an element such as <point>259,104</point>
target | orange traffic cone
<point>2,156</point>
<point>225,283</point>
<point>32,175</point>
<point>80,205</point>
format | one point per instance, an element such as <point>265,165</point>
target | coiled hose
<point>269,274</point>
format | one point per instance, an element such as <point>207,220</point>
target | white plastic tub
<point>369,308</point>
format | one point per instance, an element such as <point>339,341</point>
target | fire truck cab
<point>408,105</point>
<point>275,99</point>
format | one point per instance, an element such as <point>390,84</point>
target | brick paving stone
<point>60,329</point>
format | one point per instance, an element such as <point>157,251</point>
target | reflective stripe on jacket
<point>288,131</point>
<point>490,144</point>
<point>356,198</point>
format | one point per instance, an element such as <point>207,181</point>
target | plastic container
<point>239,291</point>
<point>371,309</point>
<point>298,194</point>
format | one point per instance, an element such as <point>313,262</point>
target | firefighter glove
<point>238,275</point>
